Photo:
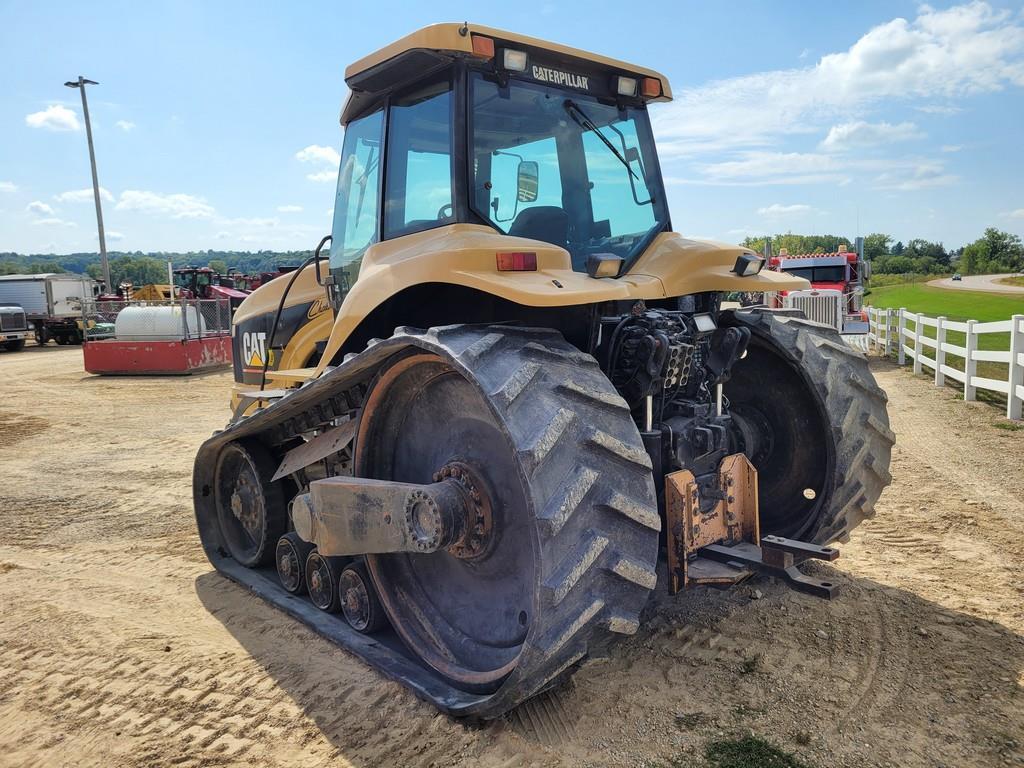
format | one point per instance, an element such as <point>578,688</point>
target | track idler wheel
<point>251,510</point>
<point>359,602</point>
<point>322,579</point>
<point>292,553</point>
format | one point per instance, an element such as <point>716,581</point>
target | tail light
<point>517,261</point>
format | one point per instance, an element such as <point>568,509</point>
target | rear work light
<point>514,60</point>
<point>517,261</point>
<point>625,86</point>
<point>483,46</point>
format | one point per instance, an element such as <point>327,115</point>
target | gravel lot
<point>120,647</point>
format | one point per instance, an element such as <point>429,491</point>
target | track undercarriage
<point>482,503</point>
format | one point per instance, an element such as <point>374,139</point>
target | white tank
<point>157,323</point>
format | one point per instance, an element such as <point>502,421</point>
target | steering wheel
<point>441,211</point>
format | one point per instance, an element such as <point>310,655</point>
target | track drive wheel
<point>251,510</point>
<point>290,557</point>
<point>560,547</point>
<point>322,578</point>
<point>813,422</point>
<point>359,602</point>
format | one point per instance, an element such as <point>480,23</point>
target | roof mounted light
<point>514,60</point>
<point>483,46</point>
<point>650,87</point>
<point>625,86</point>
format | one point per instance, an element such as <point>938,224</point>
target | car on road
<point>957,277</point>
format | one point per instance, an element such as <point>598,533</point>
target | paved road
<point>978,283</point>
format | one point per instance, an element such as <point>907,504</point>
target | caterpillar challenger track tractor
<point>471,436</point>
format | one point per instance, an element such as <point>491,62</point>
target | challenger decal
<point>317,308</point>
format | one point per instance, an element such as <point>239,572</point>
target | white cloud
<point>1018,214</point>
<point>176,206</point>
<point>125,125</point>
<point>114,236</point>
<point>920,176</point>
<point>55,117</point>
<point>946,54</point>
<point>322,176</point>
<point>759,167</point>
<point>952,147</point>
<point>53,221</point>
<point>289,209</point>
<point>859,134</point>
<point>777,209</point>
<point>83,196</point>
<point>939,109</point>
<point>316,154</point>
<point>8,186</point>
<point>39,208</point>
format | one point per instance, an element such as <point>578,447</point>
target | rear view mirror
<point>527,181</point>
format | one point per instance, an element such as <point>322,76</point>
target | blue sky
<point>216,124</point>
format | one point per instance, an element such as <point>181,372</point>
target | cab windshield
<point>560,166</point>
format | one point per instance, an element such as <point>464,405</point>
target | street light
<point>80,84</point>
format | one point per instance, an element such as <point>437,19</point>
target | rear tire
<point>817,421</point>
<point>571,560</point>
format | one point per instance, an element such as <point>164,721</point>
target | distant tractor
<point>204,283</point>
<point>836,295</point>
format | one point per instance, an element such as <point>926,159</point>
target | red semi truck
<point>836,295</point>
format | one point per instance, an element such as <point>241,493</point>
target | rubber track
<point>854,404</point>
<point>596,524</point>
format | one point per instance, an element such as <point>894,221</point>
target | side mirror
<point>527,181</point>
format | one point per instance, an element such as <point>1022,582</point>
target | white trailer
<point>52,302</point>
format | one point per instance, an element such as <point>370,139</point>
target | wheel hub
<point>478,529</point>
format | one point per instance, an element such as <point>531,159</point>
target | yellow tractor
<point>465,431</point>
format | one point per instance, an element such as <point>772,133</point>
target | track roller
<point>292,553</point>
<point>359,602</point>
<point>322,578</point>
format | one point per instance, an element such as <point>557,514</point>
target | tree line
<point>143,268</point>
<point>994,251</point>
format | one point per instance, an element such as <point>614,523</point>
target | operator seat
<point>542,222</point>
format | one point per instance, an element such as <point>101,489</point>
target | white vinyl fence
<point>890,330</point>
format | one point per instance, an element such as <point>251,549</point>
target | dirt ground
<point>120,647</point>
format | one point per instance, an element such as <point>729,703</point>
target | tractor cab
<point>452,125</point>
<point>204,283</point>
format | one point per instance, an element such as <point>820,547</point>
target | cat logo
<point>254,348</point>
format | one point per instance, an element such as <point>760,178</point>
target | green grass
<point>953,303</point>
<point>959,305</point>
<point>748,752</point>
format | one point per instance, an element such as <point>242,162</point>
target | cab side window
<point>419,167</point>
<point>356,207</point>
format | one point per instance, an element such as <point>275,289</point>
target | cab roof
<point>438,44</point>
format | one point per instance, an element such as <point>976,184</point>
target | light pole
<point>80,85</point>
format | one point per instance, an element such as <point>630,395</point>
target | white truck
<point>52,303</point>
<point>13,327</point>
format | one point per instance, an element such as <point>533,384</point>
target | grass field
<point>957,305</point>
<point>1019,280</point>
